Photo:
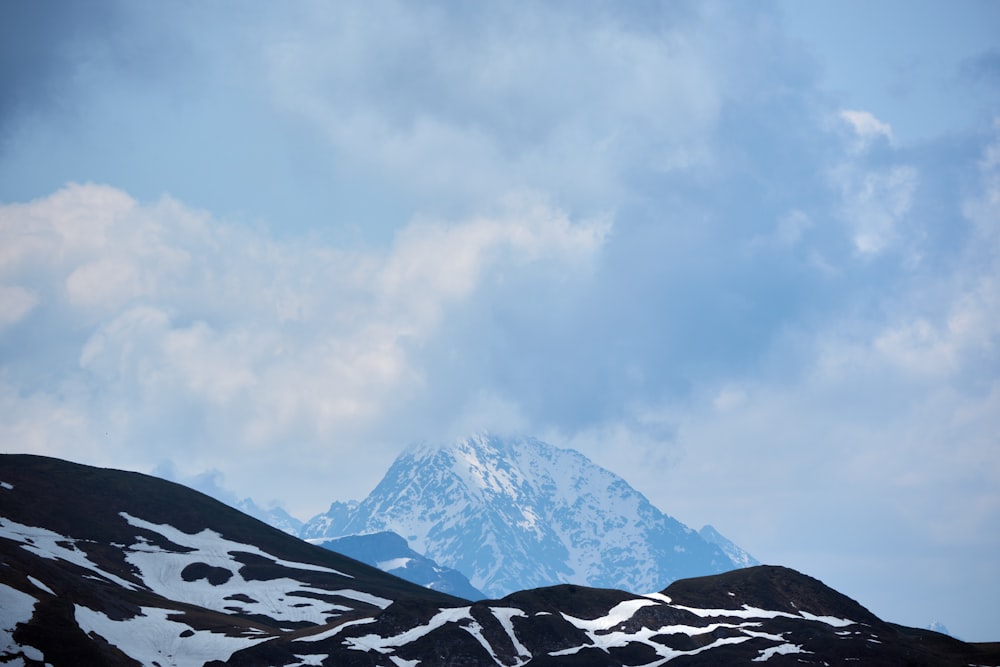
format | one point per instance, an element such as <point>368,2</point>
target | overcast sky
<point>745,255</point>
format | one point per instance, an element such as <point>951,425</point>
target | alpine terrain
<point>517,513</point>
<point>389,552</point>
<point>103,567</point>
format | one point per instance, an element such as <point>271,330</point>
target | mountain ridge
<point>116,568</point>
<point>522,512</point>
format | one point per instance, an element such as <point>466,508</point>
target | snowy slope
<point>738,556</point>
<point>103,567</point>
<point>519,513</point>
<point>165,575</point>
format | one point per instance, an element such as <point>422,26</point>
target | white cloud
<point>476,103</point>
<point>434,263</point>
<point>882,426</point>
<point>729,398</point>
<point>104,282</point>
<point>866,127</point>
<point>189,331</point>
<point>787,233</point>
<point>875,204</point>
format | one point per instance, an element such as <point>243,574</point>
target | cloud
<point>209,482</point>
<point>371,115</point>
<point>434,108</point>
<point>876,201</point>
<point>886,421</point>
<point>866,127</point>
<point>876,190</point>
<point>186,330</point>
<point>15,303</point>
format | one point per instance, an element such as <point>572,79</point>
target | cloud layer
<point>191,339</point>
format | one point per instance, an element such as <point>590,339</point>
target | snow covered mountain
<point>738,556</point>
<point>274,516</point>
<point>517,513</point>
<point>104,567</point>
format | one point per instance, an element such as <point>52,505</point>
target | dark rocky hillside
<point>103,567</point>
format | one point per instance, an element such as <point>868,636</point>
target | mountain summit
<point>519,513</point>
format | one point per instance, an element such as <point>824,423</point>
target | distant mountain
<point>738,556</point>
<point>274,516</point>
<point>938,626</point>
<point>209,482</point>
<point>389,552</point>
<point>103,567</point>
<point>330,524</point>
<point>516,513</point>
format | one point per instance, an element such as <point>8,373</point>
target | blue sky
<point>745,255</point>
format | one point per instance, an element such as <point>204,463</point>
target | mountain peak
<point>512,512</point>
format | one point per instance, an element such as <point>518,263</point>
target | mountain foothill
<point>107,567</point>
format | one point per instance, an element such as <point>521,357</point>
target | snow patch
<point>152,637</point>
<point>361,596</point>
<point>620,613</point>
<point>782,649</point>
<point>401,662</point>
<point>755,612</point>
<point>17,608</point>
<point>53,546</point>
<point>283,599</point>
<point>393,564</point>
<point>829,620</point>
<point>32,653</point>
<point>387,644</point>
<point>334,631</point>
<point>38,584</point>
<point>213,540</point>
<point>504,614</point>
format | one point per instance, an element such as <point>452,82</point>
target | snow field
<point>275,598</point>
<point>15,607</point>
<point>153,637</point>
<point>210,540</point>
<point>52,545</point>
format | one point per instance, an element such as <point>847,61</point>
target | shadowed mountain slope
<point>389,552</point>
